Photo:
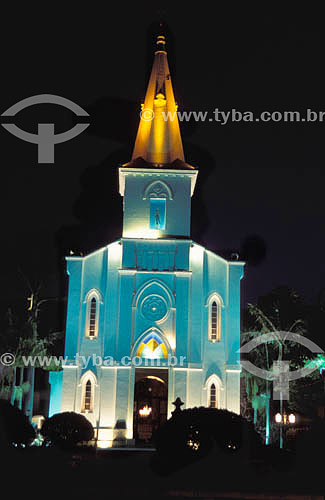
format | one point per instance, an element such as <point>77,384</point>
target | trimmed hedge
<point>195,431</point>
<point>66,430</point>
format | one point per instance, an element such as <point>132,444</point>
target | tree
<point>194,432</point>
<point>21,338</point>
<point>282,310</point>
<point>15,425</point>
<point>34,345</point>
<point>66,430</point>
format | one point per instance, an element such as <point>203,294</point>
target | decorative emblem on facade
<point>154,308</point>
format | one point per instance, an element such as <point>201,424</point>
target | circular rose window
<point>154,308</point>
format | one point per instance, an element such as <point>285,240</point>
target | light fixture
<point>145,411</point>
<point>292,418</point>
<point>153,377</point>
<point>104,444</point>
<point>285,419</point>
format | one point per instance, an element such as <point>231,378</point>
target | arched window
<point>213,403</point>
<point>215,305</point>
<point>88,383</point>
<point>157,214</point>
<point>87,403</point>
<point>213,392</point>
<point>93,302</point>
<point>92,317</point>
<point>87,400</point>
<point>214,321</point>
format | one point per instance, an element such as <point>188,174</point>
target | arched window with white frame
<point>213,388</point>
<point>88,393</point>
<point>158,192</point>
<point>92,320</point>
<point>87,406</point>
<point>214,323</point>
<point>213,403</point>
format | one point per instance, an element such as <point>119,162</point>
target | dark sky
<point>261,181</point>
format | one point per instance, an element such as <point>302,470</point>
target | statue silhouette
<point>157,218</point>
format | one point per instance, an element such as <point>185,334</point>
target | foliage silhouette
<point>17,429</point>
<point>193,433</point>
<point>66,430</point>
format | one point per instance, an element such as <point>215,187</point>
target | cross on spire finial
<point>161,16</point>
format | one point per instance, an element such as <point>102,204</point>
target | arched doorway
<point>150,407</point>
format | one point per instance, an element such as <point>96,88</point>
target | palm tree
<point>274,313</point>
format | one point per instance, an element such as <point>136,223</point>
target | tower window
<point>157,213</point>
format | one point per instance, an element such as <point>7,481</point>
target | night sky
<point>260,186</point>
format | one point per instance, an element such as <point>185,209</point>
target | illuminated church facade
<point>162,307</point>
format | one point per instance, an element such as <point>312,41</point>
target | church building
<point>153,316</point>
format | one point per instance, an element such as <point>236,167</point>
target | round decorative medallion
<point>154,308</point>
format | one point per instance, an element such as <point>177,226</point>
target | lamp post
<point>283,419</point>
<point>266,396</point>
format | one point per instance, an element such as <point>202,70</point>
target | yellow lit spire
<point>158,139</point>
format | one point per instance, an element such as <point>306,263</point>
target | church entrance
<point>150,403</point>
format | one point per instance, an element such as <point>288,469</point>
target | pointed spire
<point>158,139</point>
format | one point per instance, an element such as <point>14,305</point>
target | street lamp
<point>284,419</point>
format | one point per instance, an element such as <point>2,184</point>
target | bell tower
<point>157,184</point>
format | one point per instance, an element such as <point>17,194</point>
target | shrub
<point>309,446</point>
<point>66,430</point>
<point>16,428</point>
<point>195,431</point>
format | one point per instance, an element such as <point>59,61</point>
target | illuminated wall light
<point>278,418</point>
<point>196,254</point>
<point>114,250</point>
<point>139,232</point>
<point>171,341</point>
<point>145,411</point>
<point>105,438</point>
<point>292,418</point>
<point>129,431</point>
<point>104,444</point>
